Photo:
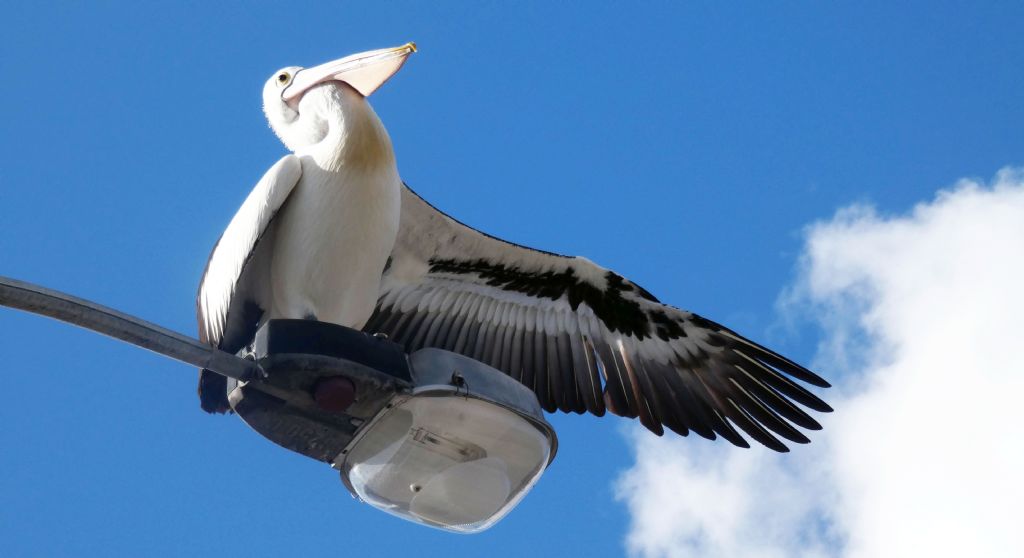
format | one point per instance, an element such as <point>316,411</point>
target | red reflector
<point>334,394</point>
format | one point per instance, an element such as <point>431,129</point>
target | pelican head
<point>306,106</point>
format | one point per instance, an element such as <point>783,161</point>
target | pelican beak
<point>365,72</point>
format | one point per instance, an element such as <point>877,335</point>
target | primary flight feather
<point>331,233</point>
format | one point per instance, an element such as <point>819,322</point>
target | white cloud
<point>924,317</point>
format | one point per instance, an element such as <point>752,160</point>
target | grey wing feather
<point>584,338</point>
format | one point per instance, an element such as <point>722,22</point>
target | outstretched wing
<point>582,337</point>
<point>231,297</point>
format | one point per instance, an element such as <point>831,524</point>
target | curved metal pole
<point>110,322</point>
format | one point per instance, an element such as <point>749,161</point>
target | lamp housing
<point>436,437</point>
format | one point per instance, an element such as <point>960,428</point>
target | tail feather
<point>213,392</point>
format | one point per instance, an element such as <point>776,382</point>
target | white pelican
<point>356,247</point>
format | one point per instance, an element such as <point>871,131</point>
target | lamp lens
<point>451,462</point>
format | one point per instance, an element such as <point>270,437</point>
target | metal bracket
<point>110,322</point>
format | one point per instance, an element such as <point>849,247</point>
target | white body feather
<point>332,241</point>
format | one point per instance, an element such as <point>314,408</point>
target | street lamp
<point>434,437</point>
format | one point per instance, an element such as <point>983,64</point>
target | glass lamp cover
<point>448,461</point>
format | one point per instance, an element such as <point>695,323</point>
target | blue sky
<point>686,146</point>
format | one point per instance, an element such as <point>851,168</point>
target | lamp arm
<point>110,322</point>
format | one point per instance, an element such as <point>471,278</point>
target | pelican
<point>355,246</point>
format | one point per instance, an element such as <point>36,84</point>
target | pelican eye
<point>283,78</point>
